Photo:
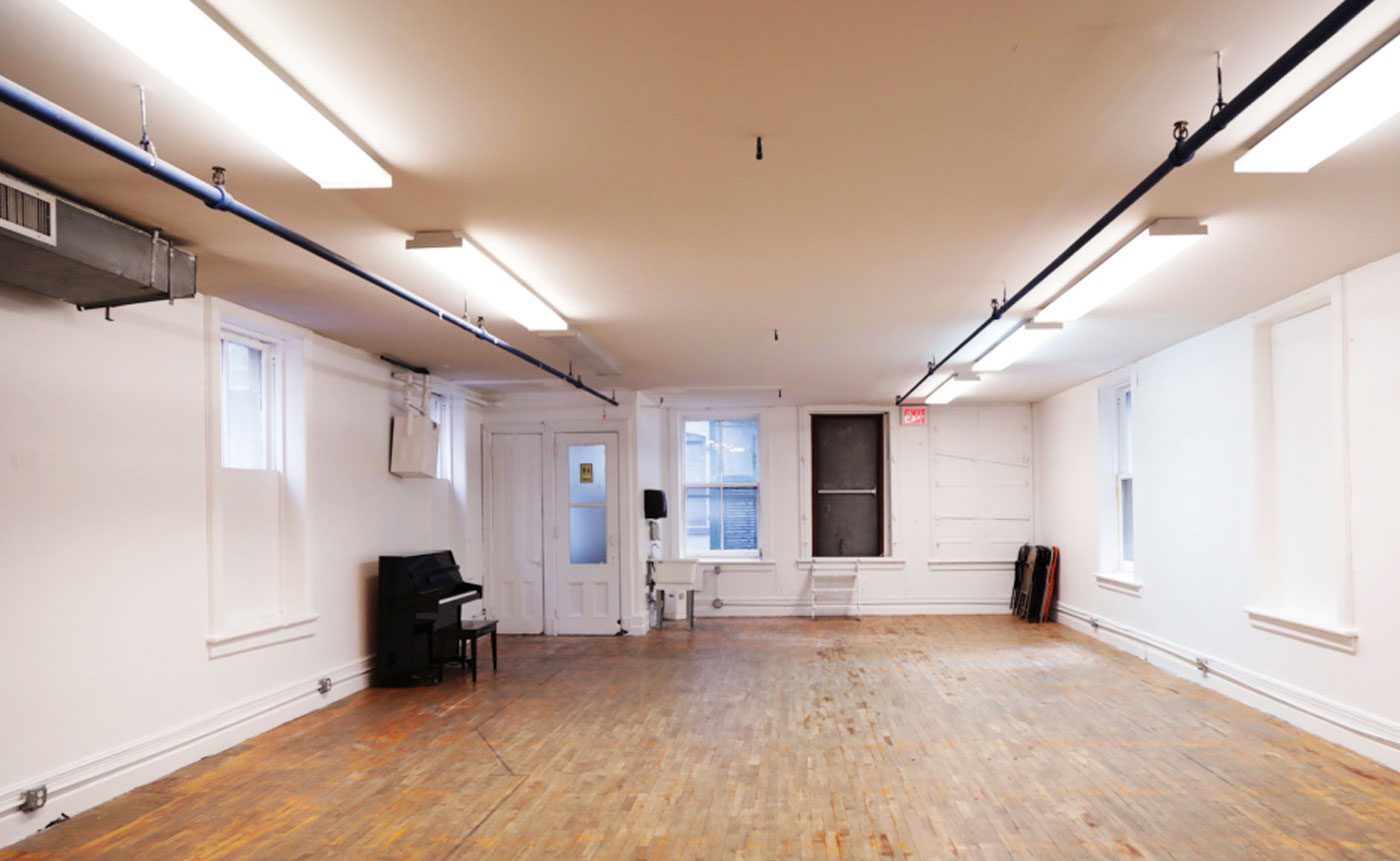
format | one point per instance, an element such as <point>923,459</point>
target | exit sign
<point>915,415</point>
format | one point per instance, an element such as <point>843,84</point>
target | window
<point>259,588</point>
<point>588,504</point>
<point>1123,474</point>
<point>848,485</point>
<point>249,401</point>
<point>441,413</point>
<point>721,486</point>
<point>1117,501</point>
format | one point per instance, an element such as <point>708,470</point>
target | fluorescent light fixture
<point>467,264</point>
<point>1368,96</point>
<point>1016,345</point>
<point>186,46</point>
<point>1141,255</point>
<point>585,351</point>
<point>922,390</point>
<point>953,388</point>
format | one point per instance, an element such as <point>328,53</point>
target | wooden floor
<point>931,737</point>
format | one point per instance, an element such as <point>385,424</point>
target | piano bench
<point>473,630</point>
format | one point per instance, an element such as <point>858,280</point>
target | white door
<point>515,533</point>
<point>587,588</point>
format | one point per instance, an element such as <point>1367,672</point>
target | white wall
<point>951,551</point>
<point>1197,457</point>
<point>104,556</point>
<point>944,554</point>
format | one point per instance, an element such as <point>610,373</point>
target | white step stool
<point>836,586</point>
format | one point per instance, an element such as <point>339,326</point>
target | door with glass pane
<point>587,590</point>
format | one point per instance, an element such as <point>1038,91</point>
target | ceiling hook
<point>145,143</point>
<point>1219,88</point>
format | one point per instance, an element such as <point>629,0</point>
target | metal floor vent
<point>59,248</point>
<point>26,211</point>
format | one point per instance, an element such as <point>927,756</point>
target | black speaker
<point>654,504</point>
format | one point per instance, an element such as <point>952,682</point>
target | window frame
<point>1331,625</point>
<point>882,494</point>
<point>685,486</point>
<point>440,406</point>
<point>1123,444</point>
<point>230,630</point>
<point>272,387</point>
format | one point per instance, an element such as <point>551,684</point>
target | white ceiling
<point>918,156</point>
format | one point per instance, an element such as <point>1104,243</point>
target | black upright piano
<point>419,615</point>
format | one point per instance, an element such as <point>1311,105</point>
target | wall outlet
<point>34,799</point>
<point>324,685</point>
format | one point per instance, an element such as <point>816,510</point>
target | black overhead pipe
<point>217,197</point>
<point>1184,150</point>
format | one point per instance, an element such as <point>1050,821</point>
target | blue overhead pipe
<point>218,197</point>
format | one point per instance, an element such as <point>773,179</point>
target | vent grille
<point>26,211</point>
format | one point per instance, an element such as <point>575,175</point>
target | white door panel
<point>515,526</point>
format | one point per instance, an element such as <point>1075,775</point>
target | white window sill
<point>865,563</point>
<point>996,565</point>
<point>734,562</point>
<point>280,630</point>
<point>1120,582</point>
<point>1316,633</point>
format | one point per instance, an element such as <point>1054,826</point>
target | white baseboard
<point>912,606</point>
<point>1365,733</point>
<point>90,782</point>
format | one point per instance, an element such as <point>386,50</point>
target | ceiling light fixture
<point>927,385</point>
<point>1366,97</point>
<point>1144,253</point>
<point>1016,345</point>
<point>953,388</point>
<point>465,262</point>
<point>189,48</point>
<point>585,351</point>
